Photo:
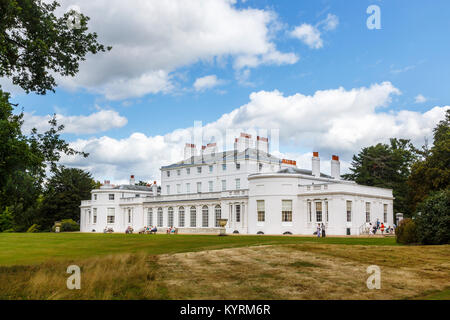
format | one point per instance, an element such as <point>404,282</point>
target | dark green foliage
<point>63,194</point>
<point>6,220</point>
<point>68,225</point>
<point>35,44</point>
<point>432,173</point>
<point>385,166</point>
<point>406,232</point>
<point>433,222</point>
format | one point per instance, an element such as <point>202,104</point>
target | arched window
<point>170,217</point>
<point>218,215</point>
<point>160,217</point>
<point>205,219</point>
<point>181,217</point>
<point>193,217</point>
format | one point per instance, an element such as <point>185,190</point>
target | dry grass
<point>303,271</point>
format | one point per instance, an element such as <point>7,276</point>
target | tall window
<point>193,217</point>
<point>168,173</point>
<point>111,217</point>
<point>238,184</point>
<point>89,216</point>
<point>111,197</point>
<point>211,169</point>
<point>178,172</point>
<point>95,197</point>
<point>160,217</point>
<point>326,211</point>
<point>260,166</point>
<point>349,211</point>
<point>199,169</point>
<point>238,166</point>
<point>188,170</point>
<point>286,210</point>
<point>170,217</point>
<point>385,213</point>
<point>149,217</point>
<point>129,215</point>
<point>199,187</point>
<point>178,188</point>
<point>367,211</point>
<point>309,212</point>
<point>94,216</point>
<point>188,188</point>
<point>210,186</point>
<point>218,215</point>
<point>260,207</point>
<point>205,219</point>
<point>319,211</point>
<point>238,213</point>
<point>224,185</point>
<point>168,189</point>
<point>181,217</point>
<point>224,167</point>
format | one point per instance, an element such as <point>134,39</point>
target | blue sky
<point>409,52</point>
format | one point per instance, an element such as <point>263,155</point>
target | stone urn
<point>222,224</point>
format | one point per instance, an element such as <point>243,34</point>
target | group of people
<point>172,230</point>
<point>149,230</point>
<point>372,229</point>
<point>320,232</point>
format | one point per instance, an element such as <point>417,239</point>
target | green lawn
<point>33,248</point>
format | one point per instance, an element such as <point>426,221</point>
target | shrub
<point>433,222</point>
<point>34,228</point>
<point>407,232</point>
<point>68,225</point>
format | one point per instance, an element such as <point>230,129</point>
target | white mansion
<point>257,192</point>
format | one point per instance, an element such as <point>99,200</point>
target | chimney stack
<point>316,165</point>
<point>155,189</point>
<point>243,142</point>
<point>132,182</point>
<point>262,144</point>
<point>189,150</point>
<point>335,167</point>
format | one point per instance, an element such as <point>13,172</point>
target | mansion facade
<point>257,192</point>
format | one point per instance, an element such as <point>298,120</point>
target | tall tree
<point>35,45</point>
<point>64,192</point>
<point>432,172</point>
<point>386,166</point>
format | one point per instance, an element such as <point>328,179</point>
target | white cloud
<point>152,38</point>
<point>309,35</point>
<point>335,121</point>
<point>420,99</point>
<point>206,82</point>
<point>100,121</point>
<point>312,35</point>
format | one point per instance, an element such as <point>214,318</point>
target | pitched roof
<point>225,156</point>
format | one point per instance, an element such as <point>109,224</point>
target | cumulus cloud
<point>309,35</point>
<point>312,35</point>
<point>206,82</point>
<point>420,99</point>
<point>334,121</point>
<point>100,121</point>
<point>152,38</point>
